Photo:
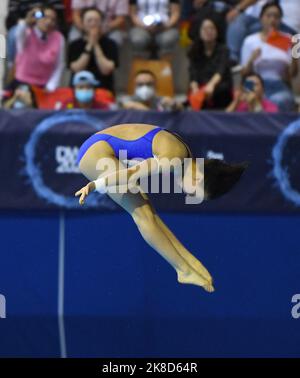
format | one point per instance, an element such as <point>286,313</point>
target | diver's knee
<point>145,219</point>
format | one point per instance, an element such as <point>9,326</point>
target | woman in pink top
<point>250,98</point>
<point>40,49</point>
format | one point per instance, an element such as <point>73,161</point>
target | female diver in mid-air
<point>152,145</point>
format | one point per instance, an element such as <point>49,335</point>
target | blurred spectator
<point>22,98</point>
<point>268,53</point>
<point>244,20</point>
<point>210,67</point>
<point>17,10</point>
<point>94,52</point>
<point>251,97</point>
<point>84,97</point>
<point>154,27</point>
<point>203,9</point>
<point>145,97</point>
<point>40,49</point>
<point>114,12</point>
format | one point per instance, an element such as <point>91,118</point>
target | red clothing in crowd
<point>73,104</point>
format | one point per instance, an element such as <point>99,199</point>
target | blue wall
<point>122,299</point>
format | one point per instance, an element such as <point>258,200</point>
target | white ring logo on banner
<point>281,173</point>
<point>33,170</point>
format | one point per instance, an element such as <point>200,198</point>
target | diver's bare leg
<point>188,256</point>
<point>142,212</point>
<point>146,220</point>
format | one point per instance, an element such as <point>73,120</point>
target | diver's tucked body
<point>152,145</point>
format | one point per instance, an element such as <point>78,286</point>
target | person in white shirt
<point>274,63</point>
<point>154,27</point>
<point>244,20</point>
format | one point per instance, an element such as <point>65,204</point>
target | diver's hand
<point>85,191</point>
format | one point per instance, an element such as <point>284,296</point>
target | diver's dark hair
<point>220,177</point>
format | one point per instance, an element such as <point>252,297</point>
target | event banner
<point>38,151</point>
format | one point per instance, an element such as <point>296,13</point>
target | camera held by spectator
<point>153,20</point>
<point>40,50</point>
<point>251,97</point>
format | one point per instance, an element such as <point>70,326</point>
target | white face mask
<point>144,92</point>
<point>19,105</point>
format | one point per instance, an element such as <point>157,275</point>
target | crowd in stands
<point>248,38</point>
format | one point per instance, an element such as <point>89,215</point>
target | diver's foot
<point>191,277</point>
<point>196,265</point>
<point>199,268</point>
<point>209,287</point>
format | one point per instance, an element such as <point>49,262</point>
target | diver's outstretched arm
<point>128,176</point>
<point>119,177</point>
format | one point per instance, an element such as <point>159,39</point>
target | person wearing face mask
<point>84,95</point>
<point>145,97</point>
<point>40,50</point>
<point>22,98</point>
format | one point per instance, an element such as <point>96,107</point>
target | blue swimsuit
<point>137,148</point>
